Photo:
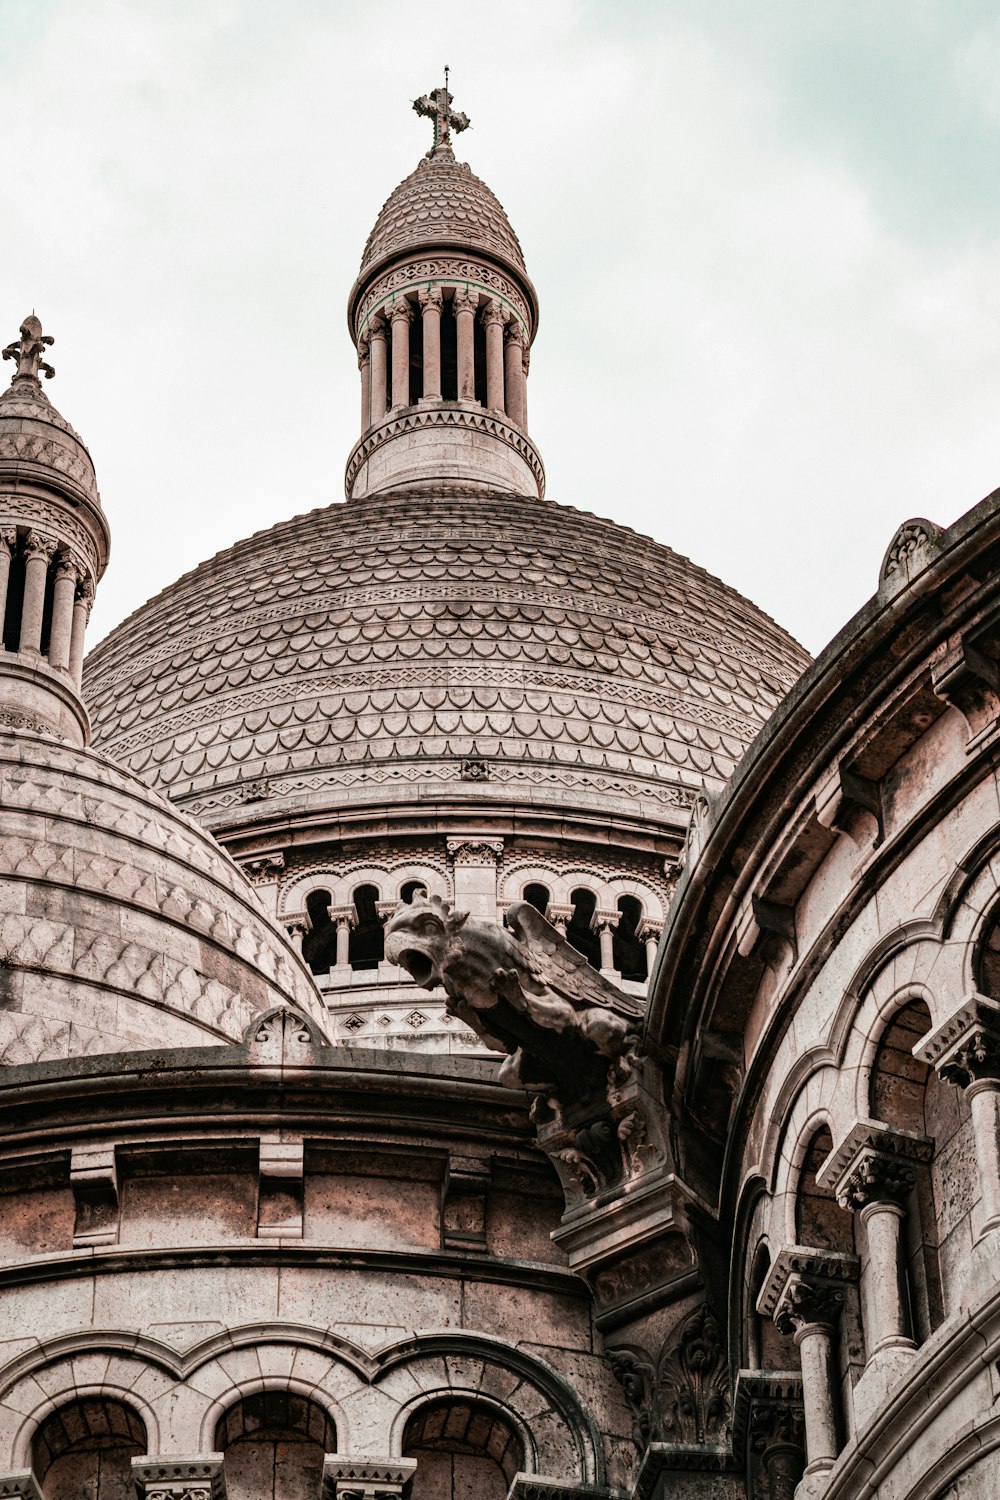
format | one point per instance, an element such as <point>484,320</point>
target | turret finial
<point>28,351</point>
<point>437,107</point>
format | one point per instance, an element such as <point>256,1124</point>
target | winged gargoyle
<point>525,991</point>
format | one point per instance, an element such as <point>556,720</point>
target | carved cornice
<point>444,416</point>
<point>965,1048</point>
<point>446,271</point>
<point>475,850</point>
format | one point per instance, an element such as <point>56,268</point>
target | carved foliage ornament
<point>28,351</point>
<point>911,537</point>
<point>684,1396</point>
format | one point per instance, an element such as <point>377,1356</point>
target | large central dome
<point>388,649</point>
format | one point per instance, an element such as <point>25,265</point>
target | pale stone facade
<point>490,1018</point>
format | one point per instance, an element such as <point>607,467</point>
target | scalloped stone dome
<point>443,202</point>
<point>35,437</point>
<point>123,926</point>
<point>399,647</point>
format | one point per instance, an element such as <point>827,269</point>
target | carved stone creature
<point>526,992</point>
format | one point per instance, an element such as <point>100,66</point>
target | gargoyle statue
<point>526,992</point>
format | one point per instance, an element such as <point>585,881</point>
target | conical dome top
<point>445,203</point>
<point>36,441</point>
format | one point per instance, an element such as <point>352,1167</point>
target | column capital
<point>366,1478</point>
<point>806,1285</point>
<point>67,566</point>
<point>400,309</point>
<point>559,916</point>
<point>85,592</point>
<point>343,916</point>
<point>965,1048</point>
<point>494,313</point>
<point>513,333</point>
<point>605,921</point>
<point>873,1163</point>
<point>465,300</point>
<point>431,296</point>
<point>8,539</point>
<point>297,925</point>
<point>364,351</point>
<point>649,928</point>
<point>376,328</point>
<point>475,850</point>
<point>198,1478</point>
<point>38,545</point>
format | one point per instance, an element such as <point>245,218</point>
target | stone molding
<point>450,415</point>
<point>768,1404</point>
<point>445,271</point>
<point>366,1478</point>
<point>199,1478</point>
<point>965,1048</point>
<point>263,868</point>
<point>20,1484</point>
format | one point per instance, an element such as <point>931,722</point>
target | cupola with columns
<point>443,315</point>
<point>54,542</point>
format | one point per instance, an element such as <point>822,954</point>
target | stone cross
<point>437,107</point>
<point>28,351</point>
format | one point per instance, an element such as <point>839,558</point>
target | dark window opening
<point>449,353</point>
<point>410,889</point>
<point>86,1448</point>
<point>47,602</point>
<point>367,943</point>
<point>538,897</point>
<point>15,603</point>
<point>416,356</point>
<point>479,360</point>
<point>629,952</point>
<point>274,1443</point>
<point>578,930</point>
<point>319,946</point>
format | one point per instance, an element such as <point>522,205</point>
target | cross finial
<point>437,107</point>
<point>28,351</point>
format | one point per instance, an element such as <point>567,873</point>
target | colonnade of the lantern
<point>384,351</point>
<point>53,579</point>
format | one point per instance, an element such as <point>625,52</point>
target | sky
<point>765,239</point>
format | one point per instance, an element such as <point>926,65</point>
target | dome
<point>35,441</point>
<point>396,648</point>
<point>123,926</point>
<point>442,202</point>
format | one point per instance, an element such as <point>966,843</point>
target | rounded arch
<point>272,1382</point>
<point>464,1445</point>
<point>86,1446</point>
<point>63,1390</point>
<point>274,1442</point>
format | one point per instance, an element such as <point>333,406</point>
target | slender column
<point>559,916</point>
<point>401,315</point>
<point>376,344</point>
<point>431,299</point>
<point>604,924</point>
<point>63,597</point>
<point>81,614</point>
<point>809,1311</point>
<point>365,366</point>
<point>877,1184</point>
<point>514,382</point>
<point>464,304</point>
<point>343,918</point>
<point>38,551</point>
<point>297,928</point>
<point>494,317</point>
<point>965,1050</point>
<point>8,541</point>
<point>649,933</point>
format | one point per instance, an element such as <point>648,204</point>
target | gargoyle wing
<point>561,968</point>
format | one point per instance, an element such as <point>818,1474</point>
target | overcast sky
<point>765,238</point>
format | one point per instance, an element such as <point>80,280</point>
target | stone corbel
<point>367,1478</point>
<point>767,931</point>
<point>93,1176</point>
<point>842,796</point>
<point>873,1162</point>
<point>769,1431</point>
<point>474,850</point>
<point>965,678</point>
<point>264,868</point>
<point>281,1188</point>
<point>464,1199</point>
<point>200,1478</point>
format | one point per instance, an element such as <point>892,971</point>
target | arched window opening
<point>629,952</point>
<point>48,599</point>
<point>416,356</point>
<point>15,602</point>
<point>537,896</point>
<point>449,352</point>
<point>820,1222</point>
<point>907,1093</point>
<point>410,889</point>
<point>319,946</point>
<point>479,359</point>
<point>274,1443</point>
<point>462,1448</point>
<point>86,1448</point>
<point>367,944</point>
<point>767,1349</point>
<point>578,929</point>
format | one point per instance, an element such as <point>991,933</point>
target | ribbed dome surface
<point>444,203</point>
<point>123,925</point>
<point>418,644</point>
<point>34,437</point>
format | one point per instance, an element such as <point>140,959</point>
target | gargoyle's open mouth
<point>417,964</point>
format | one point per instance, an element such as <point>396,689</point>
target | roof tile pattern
<point>391,640</point>
<point>444,202</point>
<point>34,436</point>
